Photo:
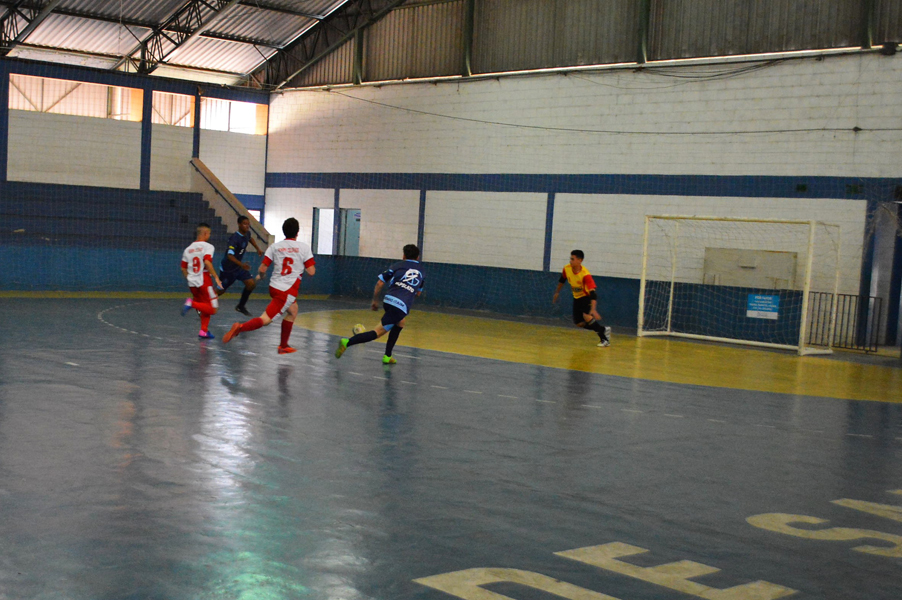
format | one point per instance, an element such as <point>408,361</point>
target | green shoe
<point>342,346</point>
<point>388,360</point>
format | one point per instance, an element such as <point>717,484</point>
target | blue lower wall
<point>505,291</point>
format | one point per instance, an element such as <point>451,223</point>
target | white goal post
<point>760,282</point>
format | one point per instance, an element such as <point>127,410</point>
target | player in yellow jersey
<point>585,313</point>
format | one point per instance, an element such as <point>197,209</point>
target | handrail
<point>231,201</point>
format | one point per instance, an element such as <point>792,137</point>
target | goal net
<point>746,281</point>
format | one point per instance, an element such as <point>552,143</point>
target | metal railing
<point>857,321</point>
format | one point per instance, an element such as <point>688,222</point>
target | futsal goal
<point>743,281</point>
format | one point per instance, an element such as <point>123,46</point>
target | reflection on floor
<point>657,359</point>
<point>138,462</point>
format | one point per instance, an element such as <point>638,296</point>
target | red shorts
<point>280,303</point>
<point>205,294</point>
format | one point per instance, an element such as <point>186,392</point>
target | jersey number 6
<point>286,266</point>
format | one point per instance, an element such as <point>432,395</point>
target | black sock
<point>244,296</point>
<point>597,328</point>
<point>362,338</point>
<point>392,338</point>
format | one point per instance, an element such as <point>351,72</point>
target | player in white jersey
<point>197,267</point>
<point>290,259</point>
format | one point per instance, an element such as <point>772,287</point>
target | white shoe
<point>604,344</point>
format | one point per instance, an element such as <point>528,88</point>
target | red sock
<point>286,332</point>
<point>204,322</point>
<point>251,325</point>
<point>204,308</point>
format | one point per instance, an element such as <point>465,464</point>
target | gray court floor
<point>137,462</point>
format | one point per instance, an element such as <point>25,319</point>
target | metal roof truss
<point>320,40</point>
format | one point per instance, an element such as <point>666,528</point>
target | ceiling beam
<point>187,23</point>
<point>20,20</point>
<point>320,40</point>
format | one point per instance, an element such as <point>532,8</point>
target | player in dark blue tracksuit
<point>405,282</point>
<point>232,268</point>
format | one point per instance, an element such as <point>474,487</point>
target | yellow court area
<point>657,359</point>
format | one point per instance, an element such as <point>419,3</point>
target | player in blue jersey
<point>233,269</point>
<point>405,282</point>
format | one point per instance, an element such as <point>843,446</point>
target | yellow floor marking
<point>657,359</point>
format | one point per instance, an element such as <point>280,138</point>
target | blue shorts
<point>229,277</point>
<point>393,315</point>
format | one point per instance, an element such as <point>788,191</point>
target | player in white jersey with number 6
<point>290,259</point>
<point>197,267</point>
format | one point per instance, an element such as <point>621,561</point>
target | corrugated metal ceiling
<point>104,32</point>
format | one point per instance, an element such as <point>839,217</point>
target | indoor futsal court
<point>450,300</point>
<point>496,459</point>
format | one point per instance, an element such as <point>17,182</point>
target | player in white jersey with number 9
<point>197,267</point>
<point>290,259</point>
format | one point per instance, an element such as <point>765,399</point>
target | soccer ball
<point>359,328</point>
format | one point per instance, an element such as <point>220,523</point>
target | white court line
<point>353,373</point>
<point>632,410</point>
<point>377,377</point>
<point>716,421</point>
<point>439,387</point>
<point>73,364</point>
<point>471,392</point>
<point>409,382</point>
<point>674,416</point>
<point>511,397</point>
<point>861,435</point>
<point>546,401</point>
<point>592,406</point>
<point>766,426</point>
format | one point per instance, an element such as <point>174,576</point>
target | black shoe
<point>243,310</point>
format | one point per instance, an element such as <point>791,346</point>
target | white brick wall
<point>237,159</point>
<point>463,127</point>
<point>171,149</point>
<point>319,131</point>
<point>487,229</point>
<point>609,229</point>
<point>50,148</point>
<point>284,203</point>
<point>389,219</point>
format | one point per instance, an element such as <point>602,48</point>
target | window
<point>64,97</point>
<point>236,117</point>
<point>173,109</point>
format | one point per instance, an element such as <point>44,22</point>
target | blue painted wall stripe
<point>89,75</point>
<point>421,223</point>
<point>739,186</point>
<point>195,151</point>
<point>336,222</point>
<point>549,231</point>
<point>251,201</point>
<point>895,289</point>
<point>4,121</point>
<point>146,138</point>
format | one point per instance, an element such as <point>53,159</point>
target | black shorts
<point>581,306</point>
<point>229,277</point>
<point>393,315</point>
